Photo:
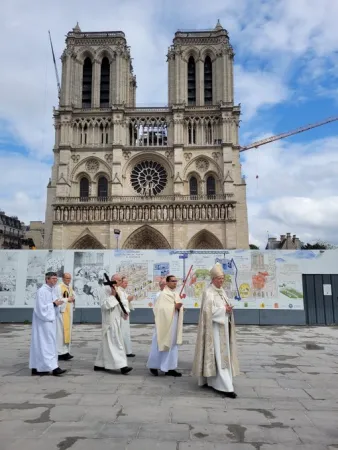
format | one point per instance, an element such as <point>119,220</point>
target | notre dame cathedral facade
<point>163,177</point>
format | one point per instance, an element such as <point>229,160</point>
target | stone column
<point>96,84</point>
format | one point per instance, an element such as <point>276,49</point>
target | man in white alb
<point>64,320</point>
<point>43,357</point>
<point>168,312</point>
<point>215,362</point>
<point>111,354</point>
<point>125,327</point>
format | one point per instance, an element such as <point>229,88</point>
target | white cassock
<point>63,347</point>
<point>164,361</point>
<point>111,354</point>
<point>43,352</point>
<point>126,323</point>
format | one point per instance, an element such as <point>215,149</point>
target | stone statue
<point>133,213</point>
<point>97,217</point>
<point>65,214</point>
<point>121,213</point>
<point>114,213</point>
<point>222,212</point>
<point>231,212</point>
<point>90,216</point>
<point>84,215</point>
<point>58,216</point>
<point>203,212</point>
<point>102,213</point>
<point>152,212</point>
<point>140,212</point>
<point>72,215</point>
<point>78,215</point>
<point>146,213</point>
<point>178,213</point>
<point>165,213</point>
<point>216,212</point>
<point>159,213</point>
<point>197,213</point>
<point>190,213</point>
<point>171,213</point>
<point>127,213</point>
<point>209,212</point>
<point>184,213</point>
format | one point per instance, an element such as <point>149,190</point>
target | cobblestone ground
<point>288,396</point>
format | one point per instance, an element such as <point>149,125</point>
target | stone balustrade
<point>145,213</point>
<point>146,199</point>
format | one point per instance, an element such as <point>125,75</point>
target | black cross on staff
<point>110,283</point>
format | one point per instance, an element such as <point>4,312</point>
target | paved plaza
<point>287,396</point>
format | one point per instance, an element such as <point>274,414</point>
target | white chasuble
<point>215,361</point>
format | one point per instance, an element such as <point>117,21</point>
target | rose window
<point>148,178</point>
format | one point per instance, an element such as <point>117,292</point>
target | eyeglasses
<point>173,281</point>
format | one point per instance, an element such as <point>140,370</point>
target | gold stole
<point>66,314</point>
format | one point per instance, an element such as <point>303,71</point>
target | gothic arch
<point>213,166</point>
<point>80,168</point>
<point>204,239</point>
<point>146,237</point>
<point>87,240</point>
<point>86,53</point>
<point>104,52</point>
<point>191,51</point>
<point>208,51</point>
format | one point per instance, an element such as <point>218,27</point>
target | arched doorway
<point>204,240</point>
<point>146,237</point>
<point>87,241</point>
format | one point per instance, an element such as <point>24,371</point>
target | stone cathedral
<point>146,178</point>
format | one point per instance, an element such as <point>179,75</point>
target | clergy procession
<point>215,361</point>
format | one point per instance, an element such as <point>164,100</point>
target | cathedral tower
<point>164,177</point>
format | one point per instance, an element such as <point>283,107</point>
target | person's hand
<point>228,309</point>
<point>58,302</point>
<point>130,298</point>
<point>125,316</point>
<point>178,306</point>
<point>71,299</point>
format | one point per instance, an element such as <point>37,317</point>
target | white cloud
<point>296,190</point>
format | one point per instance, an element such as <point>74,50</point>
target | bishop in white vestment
<point>43,356</point>
<point>64,320</point>
<point>168,312</point>
<point>215,361</point>
<point>111,354</point>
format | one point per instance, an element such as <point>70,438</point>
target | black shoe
<point>41,374</point>
<point>230,394</point>
<point>99,369</point>
<point>68,356</point>
<point>131,355</point>
<point>173,373</point>
<point>57,372</point>
<point>154,372</point>
<point>126,370</point>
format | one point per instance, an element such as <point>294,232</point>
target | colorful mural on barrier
<point>253,279</point>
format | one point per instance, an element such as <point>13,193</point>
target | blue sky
<point>285,77</point>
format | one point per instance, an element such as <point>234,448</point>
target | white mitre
<point>216,271</point>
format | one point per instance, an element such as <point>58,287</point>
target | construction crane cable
<point>55,66</point>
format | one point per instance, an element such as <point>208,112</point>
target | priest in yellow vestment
<point>168,312</point>
<point>215,362</point>
<point>64,320</point>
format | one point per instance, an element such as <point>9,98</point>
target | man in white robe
<point>121,284</point>
<point>168,312</point>
<point>64,320</point>
<point>43,357</point>
<point>215,362</point>
<point>111,354</point>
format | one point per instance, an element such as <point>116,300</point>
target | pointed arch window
<point>84,188</point>
<point>105,83</point>
<point>208,81</point>
<point>211,186</point>
<point>192,133</point>
<point>102,188</point>
<point>191,81</point>
<point>87,79</point>
<point>193,187</point>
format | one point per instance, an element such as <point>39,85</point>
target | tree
<point>253,247</point>
<point>319,245</point>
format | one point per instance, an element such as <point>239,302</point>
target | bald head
<point>118,278</point>
<point>162,283</point>
<point>67,278</point>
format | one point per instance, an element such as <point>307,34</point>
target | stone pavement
<point>288,396</point>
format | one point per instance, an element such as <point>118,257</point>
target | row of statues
<point>145,212</point>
